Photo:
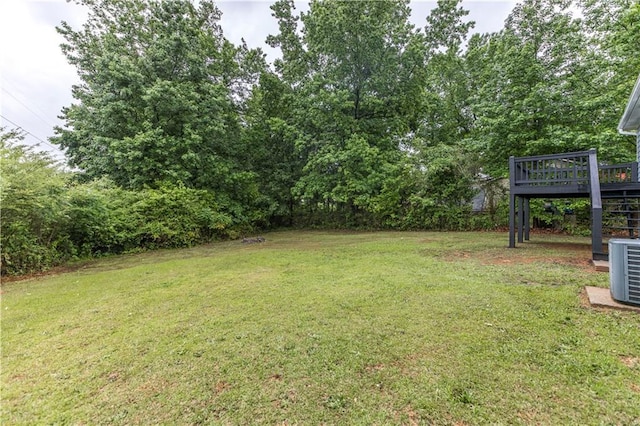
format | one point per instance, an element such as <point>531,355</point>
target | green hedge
<point>94,219</point>
<point>47,219</point>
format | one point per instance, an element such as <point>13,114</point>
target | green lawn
<point>323,328</point>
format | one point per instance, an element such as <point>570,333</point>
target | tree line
<point>364,120</point>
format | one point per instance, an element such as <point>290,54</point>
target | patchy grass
<point>323,328</point>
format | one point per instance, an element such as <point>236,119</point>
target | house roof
<point>630,121</point>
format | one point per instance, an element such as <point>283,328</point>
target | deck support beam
<point>596,208</point>
<point>512,221</point>
<point>597,252</point>
<point>512,203</point>
<point>527,219</point>
<point>520,219</point>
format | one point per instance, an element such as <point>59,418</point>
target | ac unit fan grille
<point>633,253</point>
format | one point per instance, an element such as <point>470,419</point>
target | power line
<point>27,107</point>
<point>31,134</point>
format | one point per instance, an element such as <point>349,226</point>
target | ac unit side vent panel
<point>633,266</point>
<point>624,261</point>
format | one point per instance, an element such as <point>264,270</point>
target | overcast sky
<point>36,79</point>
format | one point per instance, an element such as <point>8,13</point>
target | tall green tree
<point>356,70</point>
<point>613,31</point>
<point>533,87</point>
<point>555,79</point>
<point>435,183</point>
<point>445,116</point>
<point>160,98</point>
<point>271,135</point>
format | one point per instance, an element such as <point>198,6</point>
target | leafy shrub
<point>91,217</point>
<point>47,219</point>
<point>32,199</point>
<point>176,217</point>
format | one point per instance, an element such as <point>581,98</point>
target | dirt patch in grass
<point>414,418</point>
<point>374,368</point>
<point>6,279</point>
<point>569,254</point>
<point>569,261</point>
<point>630,361</point>
<point>276,377</point>
<point>220,387</point>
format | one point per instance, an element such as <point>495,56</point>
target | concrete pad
<point>601,265</point>
<point>601,298</point>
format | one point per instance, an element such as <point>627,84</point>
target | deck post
<point>637,152</point>
<point>596,234</point>
<point>596,207</point>
<point>512,202</point>
<point>520,219</point>
<point>512,221</point>
<point>527,219</point>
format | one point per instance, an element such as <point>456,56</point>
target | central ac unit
<point>624,267</point>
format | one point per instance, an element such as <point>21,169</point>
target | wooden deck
<point>568,175</point>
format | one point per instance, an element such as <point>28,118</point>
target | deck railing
<point>556,169</point>
<point>567,169</point>
<point>619,173</point>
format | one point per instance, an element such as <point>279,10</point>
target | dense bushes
<point>105,219</point>
<point>31,193</point>
<point>96,219</point>
<point>47,219</point>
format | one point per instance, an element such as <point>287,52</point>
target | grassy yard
<point>323,328</point>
